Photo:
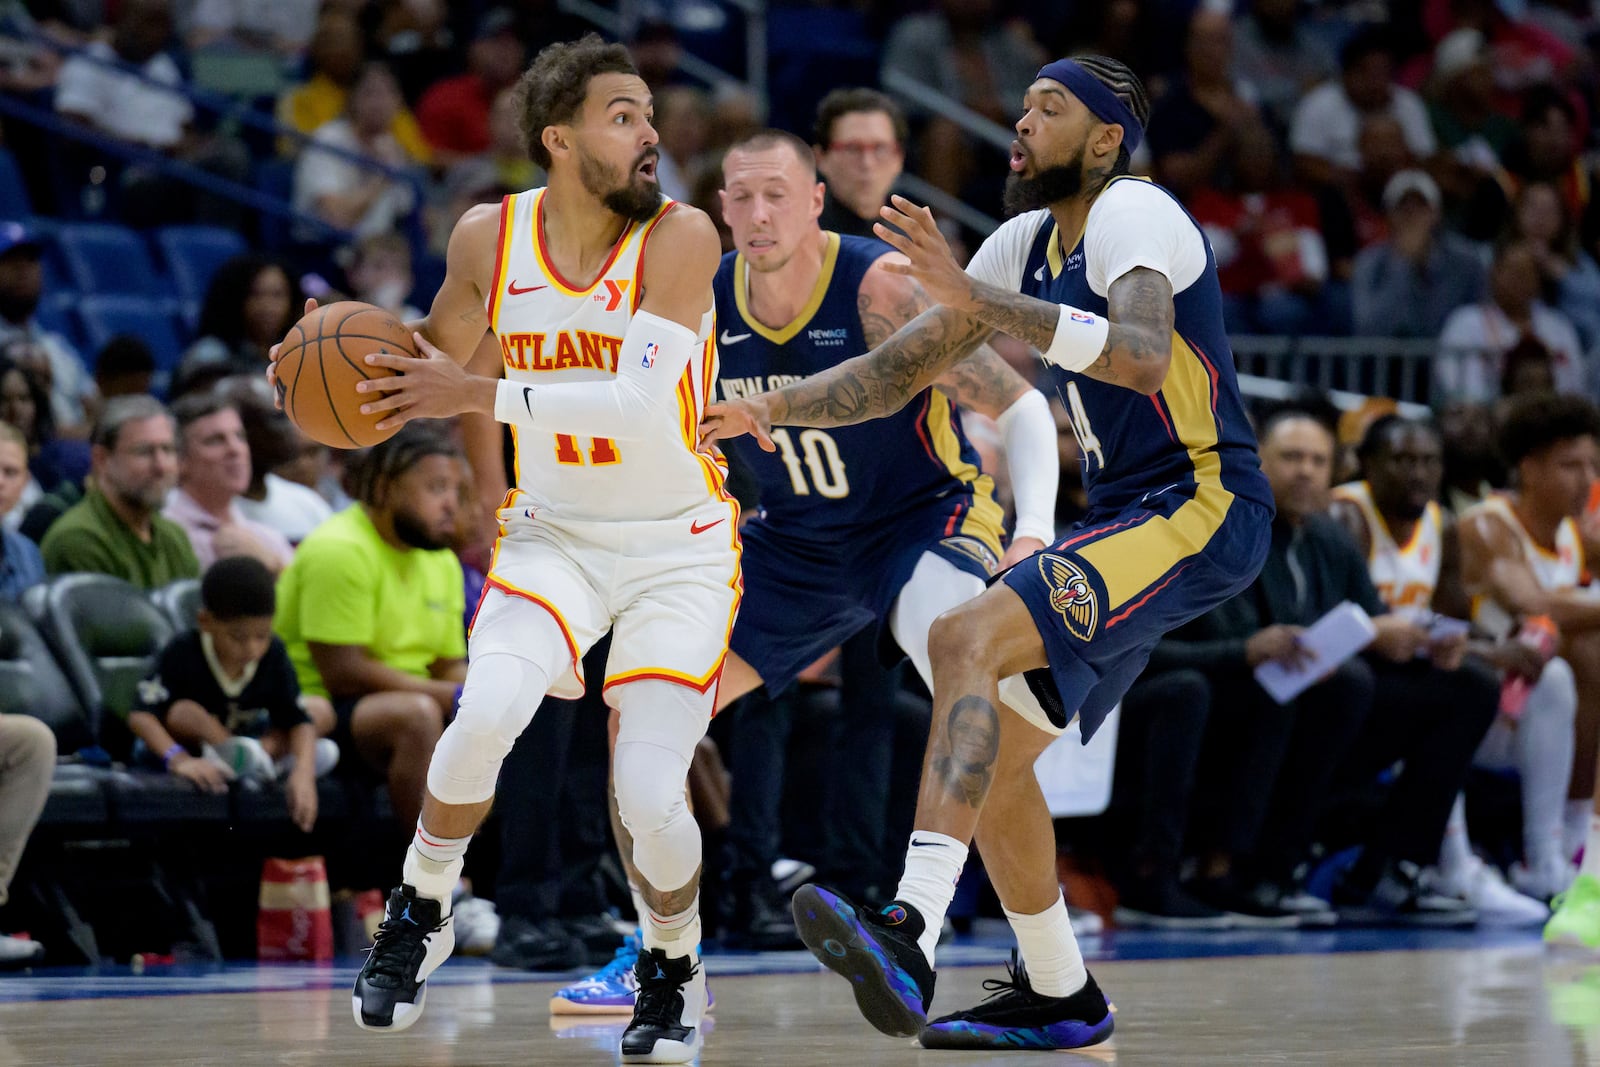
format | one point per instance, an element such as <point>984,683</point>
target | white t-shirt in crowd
<point>119,102</point>
<point>1476,338</point>
<point>320,174</point>
<point>1131,224</point>
<point>290,508</point>
<point>1328,126</point>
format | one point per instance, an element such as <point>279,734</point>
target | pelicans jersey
<point>636,537</point>
<point>1179,511</point>
<point>1407,575</point>
<point>847,512</point>
<point>1561,569</point>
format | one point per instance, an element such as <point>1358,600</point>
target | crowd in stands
<point>1383,171</point>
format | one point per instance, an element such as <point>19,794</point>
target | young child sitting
<point>222,701</point>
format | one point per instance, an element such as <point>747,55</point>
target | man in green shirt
<point>117,527</point>
<point>371,610</point>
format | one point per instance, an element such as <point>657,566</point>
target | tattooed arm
<point>983,382</point>
<point>1138,348</point>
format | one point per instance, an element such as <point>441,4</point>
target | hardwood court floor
<point>1513,1005</point>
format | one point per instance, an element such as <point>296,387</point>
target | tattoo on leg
<point>972,736</point>
<point>672,902</point>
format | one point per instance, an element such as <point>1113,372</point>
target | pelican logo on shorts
<point>1071,595</point>
<point>649,359</point>
<point>971,546</point>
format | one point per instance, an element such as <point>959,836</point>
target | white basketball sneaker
<point>667,1014</point>
<point>413,939</point>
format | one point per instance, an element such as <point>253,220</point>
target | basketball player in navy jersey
<point>889,524</point>
<point>1114,284</point>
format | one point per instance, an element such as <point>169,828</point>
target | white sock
<point>641,910</point>
<point>1455,852</point>
<point>1055,964</point>
<point>933,867</point>
<point>433,864</point>
<point>1591,847</point>
<point>1575,825</point>
<point>676,935</point>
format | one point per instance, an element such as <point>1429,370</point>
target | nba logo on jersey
<point>649,359</point>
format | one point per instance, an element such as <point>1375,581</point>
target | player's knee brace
<point>1555,695</point>
<point>497,703</point>
<point>661,724</point>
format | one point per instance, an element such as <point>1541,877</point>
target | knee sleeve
<point>936,585</point>
<point>661,724</point>
<point>497,703</point>
<point>1555,695</point>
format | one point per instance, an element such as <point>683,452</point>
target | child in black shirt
<point>223,702</point>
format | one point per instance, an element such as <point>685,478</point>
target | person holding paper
<point>1268,769</point>
<point>1413,552</point>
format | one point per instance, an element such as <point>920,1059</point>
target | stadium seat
<point>31,682</point>
<point>105,632</point>
<point>152,321</point>
<point>15,203</point>
<point>179,601</point>
<point>103,258</point>
<point>192,255</point>
<point>58,313</point>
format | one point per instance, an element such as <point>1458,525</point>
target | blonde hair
<point>10,433</point>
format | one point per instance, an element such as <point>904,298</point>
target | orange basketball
<point>320,363</point>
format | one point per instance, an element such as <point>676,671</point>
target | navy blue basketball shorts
<point>804,596</point>
<point>1107,592</point>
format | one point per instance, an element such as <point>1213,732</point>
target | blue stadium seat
<point>151,320</point>
<point>15,203</point>
<point>192,255</point>
<point>103,258</point>
<point>58,313</point>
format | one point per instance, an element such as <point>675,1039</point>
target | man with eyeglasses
<point>860,145</point>
<point>117,527</point>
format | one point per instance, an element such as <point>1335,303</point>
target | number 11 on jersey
<point>602,451</point>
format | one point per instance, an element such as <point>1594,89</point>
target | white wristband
<point>1079,340</point>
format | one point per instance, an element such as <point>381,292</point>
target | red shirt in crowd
<point>1260,239</point>
<point>454,115</point>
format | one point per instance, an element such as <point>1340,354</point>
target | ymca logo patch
<point>649,359</point>
<point>971,546</point>
<point>1071,595</point>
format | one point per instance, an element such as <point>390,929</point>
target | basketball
<point>323,358</point>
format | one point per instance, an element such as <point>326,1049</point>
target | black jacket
<point>1334,572</point>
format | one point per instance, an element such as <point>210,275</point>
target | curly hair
<point>551,92</point>
<point>1120,79</point>
<point>390,459</point>
<point>1535,421</point>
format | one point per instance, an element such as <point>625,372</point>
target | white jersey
<point>1406,576</point>
<point>552,331</point>
<point>1561,569</point>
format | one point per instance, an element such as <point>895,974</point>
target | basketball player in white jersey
<point>1522,557</point>
<point>598,291</point>
<point>1413,555</point>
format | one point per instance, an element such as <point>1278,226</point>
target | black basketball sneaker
<point>878,953</point>
<point>667,1010</point>
<point>1017,1017</point>
<point>412,941</point>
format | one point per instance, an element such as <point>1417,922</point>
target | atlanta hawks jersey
<point>552,330</point>
<point>1406,575</point>
<point>1561,569</point>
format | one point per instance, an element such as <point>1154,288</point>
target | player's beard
<point>1050,186</point>
<point>631,197</point>
<point>411,531</point>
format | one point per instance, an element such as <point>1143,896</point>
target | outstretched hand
<point>429,386</point>
<point>272,357</point>
<point>734,417</point>
<point>913,233</point>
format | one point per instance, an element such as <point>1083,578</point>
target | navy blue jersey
<point>823,485</point>
<point>1190,436</point>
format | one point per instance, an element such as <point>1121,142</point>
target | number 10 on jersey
<point>602,451</point>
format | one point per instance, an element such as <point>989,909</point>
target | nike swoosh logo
<point>1038,275</point>
<point>734,338</point>
<point>696,528</point>
<point>927,844</point>
<point>512,290</point>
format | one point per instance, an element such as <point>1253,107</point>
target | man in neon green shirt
<point>371,609</point>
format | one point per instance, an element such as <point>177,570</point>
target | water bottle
<point>1540,634</point>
